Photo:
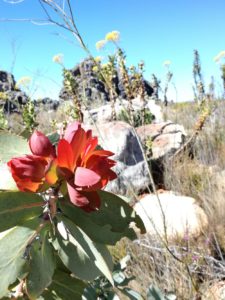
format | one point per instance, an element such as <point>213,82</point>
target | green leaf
<point>131,294</point>
<point>107,225</point>
<point>42,266</point>
<point>6,180</point>
<point>54,138</point>
<point>13,246</point>
<point>64,287</point>
<point>86,259</point>
<point>154,293</point>
<point>12,146</point>
<point>18,207</point>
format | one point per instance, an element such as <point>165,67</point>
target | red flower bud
<point>40,145</point>
<point>28,172</point>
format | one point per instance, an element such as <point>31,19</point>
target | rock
<point>166,138</point>
<point>7,81</point>
<point>151,105</point>
<point>121,138</point>
<point>183,217</point>
<point>48,103</point>
<point>132,170</point>
<point>94,89</point>
<point>88,84</point>
<point>103,113</point>
<point>16,100</point>
<point>13,98</point>
<point>215,292</point>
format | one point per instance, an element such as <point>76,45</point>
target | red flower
<point>78,162</point>
<point>85,168</point>
<point>29,171</point>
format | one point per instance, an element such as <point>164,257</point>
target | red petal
<point>29,186</point>
<point>104,153</point>
<point>85,177</point>
<point>71,131</point>
<point>78,144</point>
<point>92,144</point>
<point>88,201</point>
<point>65,155</point>
<point>40,145</point>
<point>94,202</point>
<point>76,197</point>
<point>29,166</point>
<point>30,183</point>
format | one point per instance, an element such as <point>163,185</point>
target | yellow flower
<point>95,69</point>
<point>219,56</point>
<point>23,81</point>
<point>106,65</point>
<point>3,96</point>
<point>100,44</point>
<point>58,58</point>
<point>98,59</point>
<point>166,63</point>
<point>112,36</point>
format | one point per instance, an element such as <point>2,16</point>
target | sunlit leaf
<point>12,146</point>
<point>42,266</point>
<point>13,248</point>
<point>18,207</point>
<point>64,287</point>
<point>86,259</point>
<point>6,180</point>
<point>110,223</point>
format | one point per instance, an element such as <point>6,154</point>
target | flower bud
<point>40,145</point>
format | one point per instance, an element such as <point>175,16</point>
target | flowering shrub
<point>77,162</point>
<point>55,225</point>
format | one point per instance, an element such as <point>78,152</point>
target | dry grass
<point>201,176</point>
<point>203,260</point>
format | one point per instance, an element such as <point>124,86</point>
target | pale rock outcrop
<point>166,138</point>
<point>180,214</point>
<point>103,113</point>
<point>132,169</point>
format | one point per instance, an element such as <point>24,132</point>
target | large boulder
<point>132,169</point>
<point>166,138</point>
<point>7,81</point>
<point>103,113</point>
<point>179,215</point>
<point>12,98</point>
<point>15,99</point>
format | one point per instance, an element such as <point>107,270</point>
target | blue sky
<point>152,31</point>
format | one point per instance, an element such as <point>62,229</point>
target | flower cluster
<point>76,162</point>
<point>219,56</point>
<point>23,81</point>
<point>100,44</point>
<point>58,59</point>
<point>112,36</point>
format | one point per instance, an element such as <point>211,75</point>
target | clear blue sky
<point>153,31</point>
